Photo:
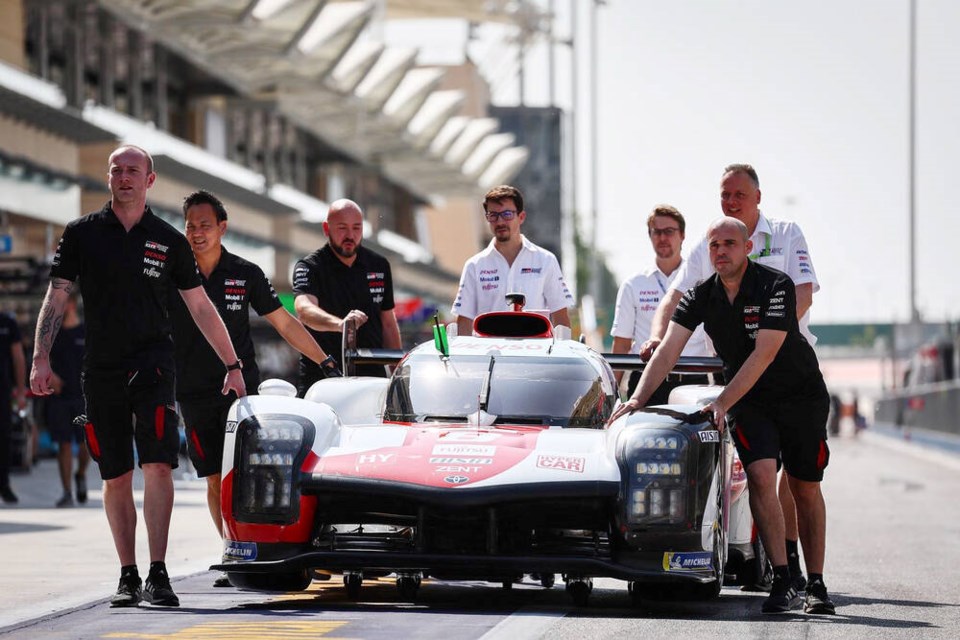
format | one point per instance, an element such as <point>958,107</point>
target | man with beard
<point>775,395</point>
<point>639,296</point>
<point>510,264</point>
<point>344,281</point>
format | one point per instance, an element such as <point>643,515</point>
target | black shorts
<point>60,413</point>
<point>792,431</point>
<point>205,421</point>
<point>131,406</point>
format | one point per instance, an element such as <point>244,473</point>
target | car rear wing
<point>351,356</point>
<point>686,364</point>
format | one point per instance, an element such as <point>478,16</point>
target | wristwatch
<point>236,366</point>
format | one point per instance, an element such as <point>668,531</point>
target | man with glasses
<point>510,264</point>
<point>639,296</point>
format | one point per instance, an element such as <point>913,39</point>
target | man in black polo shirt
<point>776,397</point>
<point>340,281</point>
<point>234,285</point>
<point>127,260</point>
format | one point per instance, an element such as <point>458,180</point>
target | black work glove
<point>329,368</point>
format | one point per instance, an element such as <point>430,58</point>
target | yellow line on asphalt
<point>291,630</point>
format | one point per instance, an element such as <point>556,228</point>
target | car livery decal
<point>439,457</point>
<point>234,551</point>
<point>562,463</point>
<point>686,561</point>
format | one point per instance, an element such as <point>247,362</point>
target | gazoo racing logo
<point>154,258</point>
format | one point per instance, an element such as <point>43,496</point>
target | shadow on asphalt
<point>26,527</point>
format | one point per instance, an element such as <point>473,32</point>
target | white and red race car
<point>485,457</point>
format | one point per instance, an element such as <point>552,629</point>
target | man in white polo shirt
<point>510,264</point>
<point>639,296</point>
<point>776,243</point>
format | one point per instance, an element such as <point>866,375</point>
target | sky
<point>814,94</point>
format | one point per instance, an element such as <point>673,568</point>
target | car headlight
<point>270,454</point>
<point>657,490</point>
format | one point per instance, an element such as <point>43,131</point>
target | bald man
<point>342,281</point>
<point>776,397</point>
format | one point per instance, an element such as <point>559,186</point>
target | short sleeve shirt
<point>367,285</point>
<point>487,279</point>
<point>637,302</point>
<point>776,243</point>
<point>766,300</point>
<point>125,280</point>
<point>9,336</point>
<point>235,286</point>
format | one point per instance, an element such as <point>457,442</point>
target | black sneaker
<point>783,596</point>
<point>799,581</point>
<point>818,600</point>
<point>81,488</point>
<point>65,501</point>
<point>7,494</point>
<point>128,592</point>
<point>157,590</point>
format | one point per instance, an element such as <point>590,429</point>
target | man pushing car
<point>775,396</point>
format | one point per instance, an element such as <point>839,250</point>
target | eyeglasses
<point>503,215</point>
<point>669,232</point>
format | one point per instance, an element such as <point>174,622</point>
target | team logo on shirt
<point>776,307</point>
<point>377,285</point>
<point>154,258</point>
<point>301,277</point>
<point>234,293</point>
<point>751,320</point>
<point>527,270</point>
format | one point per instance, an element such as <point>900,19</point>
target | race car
<point>483,457</point>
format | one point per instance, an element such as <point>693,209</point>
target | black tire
<point>408,586</point>
<point>283,582</point>
<point>353,584</point>
<point>547,580</point>
<point>507,585</point>
<point>758,570</point>
<point>580,592</point>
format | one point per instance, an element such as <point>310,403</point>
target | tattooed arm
<point>48,325</point>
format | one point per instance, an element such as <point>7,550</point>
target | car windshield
<point>510,390</point>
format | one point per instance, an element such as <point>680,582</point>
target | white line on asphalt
<point>528,622</point>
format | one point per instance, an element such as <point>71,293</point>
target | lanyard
<point>663,289</point>
<point>766,249</point>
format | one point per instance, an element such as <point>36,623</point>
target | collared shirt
<point>487,279</point>
<point>367,285</point>
<point>9,336</point>
<point>766,300</point>
<point>776,243</point>
<point>234,286</point>
<point>125,279</point>
<point>637,302</point>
